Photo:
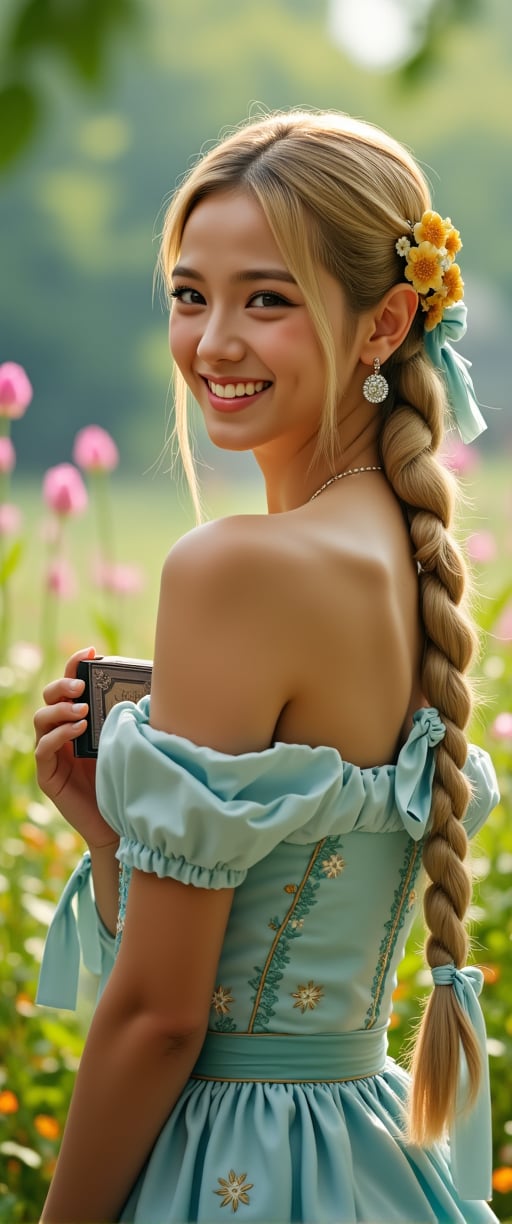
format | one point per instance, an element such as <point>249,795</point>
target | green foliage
<point>77,34</point>
<point>437,21</point>
<point>40,1048</point>
<point>19,118</point>
<point>82,213</point>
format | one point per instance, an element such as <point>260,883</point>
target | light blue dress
<point>293,1111</point>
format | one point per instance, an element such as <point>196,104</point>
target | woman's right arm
<point>70,782</point>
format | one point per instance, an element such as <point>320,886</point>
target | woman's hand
<point>69,781</point>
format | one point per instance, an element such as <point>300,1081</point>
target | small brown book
<point>108,679</point>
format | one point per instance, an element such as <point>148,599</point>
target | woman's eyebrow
<point>254,274</point>
<point>249,274</point>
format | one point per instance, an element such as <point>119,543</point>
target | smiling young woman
<point>303,751</point>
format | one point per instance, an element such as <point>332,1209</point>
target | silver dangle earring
<point>375,387</point>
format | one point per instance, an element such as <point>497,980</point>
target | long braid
<point>411,434</point>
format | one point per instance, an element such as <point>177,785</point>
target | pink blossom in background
<point>26,657</point>
<point>11,519</point>
<point>64,490</point>
<point>502,726</point>
<point>7,455</point>
<point>458,457</point>
<point>503,627</point>
<point>120,579</point>
<point>94,450</point>
<point>61,578</point>
<point>15,390</point>
<point>481,546</point>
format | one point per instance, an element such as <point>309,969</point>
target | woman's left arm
<point>216,681</point>
<point>145,1037</point>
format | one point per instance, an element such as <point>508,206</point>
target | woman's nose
<point>220,341</point>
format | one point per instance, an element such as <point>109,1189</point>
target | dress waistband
<point>285,1058</point>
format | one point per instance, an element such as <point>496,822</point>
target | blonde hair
<point>338,193</point>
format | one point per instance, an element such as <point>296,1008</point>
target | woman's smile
<point>230,395</point>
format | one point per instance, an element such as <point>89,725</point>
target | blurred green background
<point>103,106</point>
<point>105,103</point>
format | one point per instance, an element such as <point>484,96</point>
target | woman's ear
<point>390,323</point>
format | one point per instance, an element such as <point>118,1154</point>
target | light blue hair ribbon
<point>471,1129</point>
<point>455,370</point>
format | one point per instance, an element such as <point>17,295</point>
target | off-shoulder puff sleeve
<point>202,816</point>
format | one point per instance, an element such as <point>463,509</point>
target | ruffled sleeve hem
<point>133,854</point>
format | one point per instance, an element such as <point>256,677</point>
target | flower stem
<point>49,611</point>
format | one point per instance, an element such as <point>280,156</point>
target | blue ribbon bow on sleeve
<point>58,978</point>
<point>414,771</point>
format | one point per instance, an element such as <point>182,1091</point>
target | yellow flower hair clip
<point>430,252</point>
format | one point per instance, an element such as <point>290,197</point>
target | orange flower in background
<point>9,1103</point>
<point>25,1005</point>
<point>491,974</point>
<point>47,1126</point>
<point>502,1179</point>
<point>423,268</point>
<point>33,836</point>
<point>432,229</point>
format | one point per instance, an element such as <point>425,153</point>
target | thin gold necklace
<point>341,476</point>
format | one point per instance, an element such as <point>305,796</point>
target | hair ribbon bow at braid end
<point>455,370</point>
<point>471,1129</point>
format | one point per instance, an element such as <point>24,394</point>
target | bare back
<point>348,592</point>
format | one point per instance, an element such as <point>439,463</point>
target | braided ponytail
<point>410,435</point>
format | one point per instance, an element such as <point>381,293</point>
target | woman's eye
<point>268,298</point>
<point>189,297</point>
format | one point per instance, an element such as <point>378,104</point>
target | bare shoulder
<point>219,675</point>
<point>220,550</point>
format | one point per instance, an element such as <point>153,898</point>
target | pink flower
<point>503,627</point>
<point>64,490</point>
<point>502,726</point>
<point>481,546</point>
<point>10,519</point>
<point>94,450</point>
<point>458,457</point>
<point>120,579</point>
<point>7,455</point>
<point>61,578</point>
<point>15,390</point>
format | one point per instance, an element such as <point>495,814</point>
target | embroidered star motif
<point>221,999</point>
<point>308,996</point>
<point>234,1190</point>
<point>333,866</point>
